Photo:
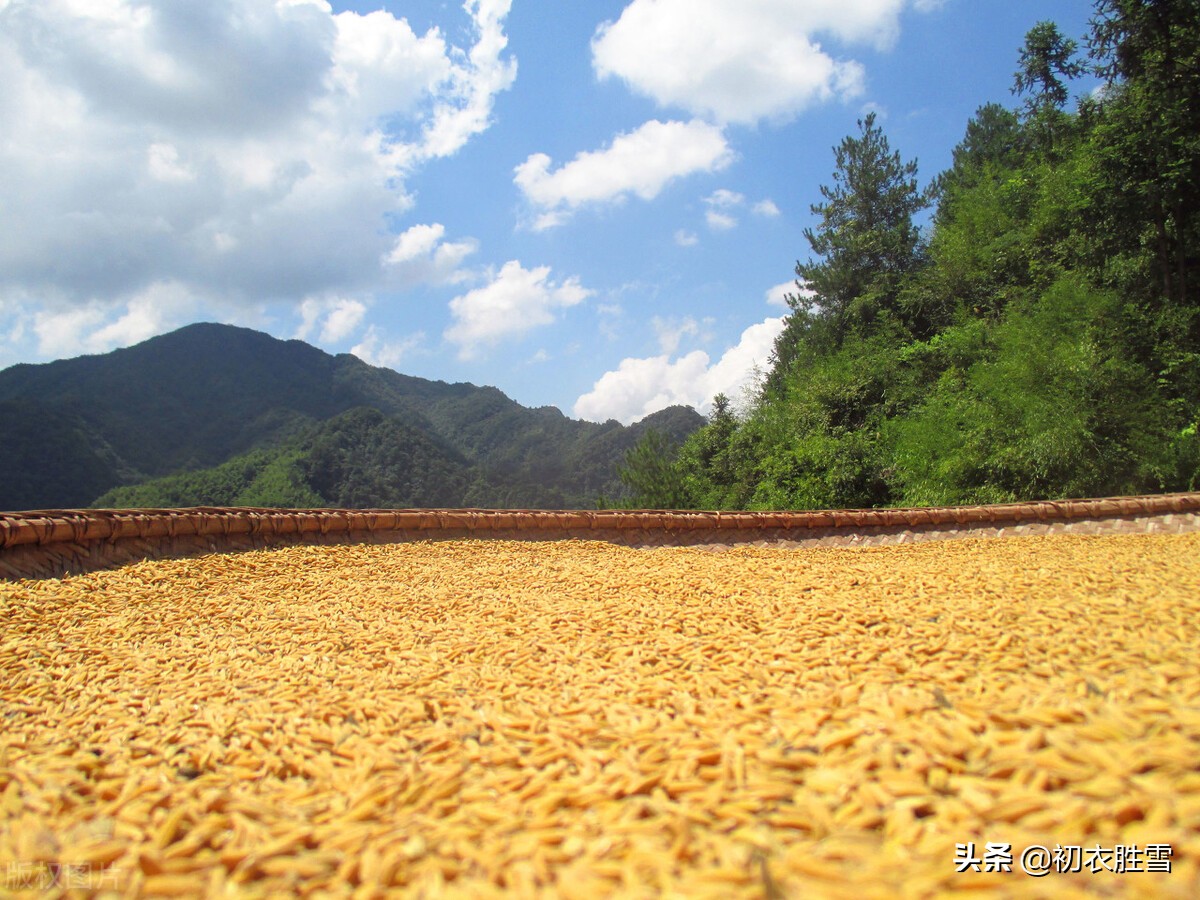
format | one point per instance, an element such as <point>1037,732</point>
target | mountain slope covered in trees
<point>1042,341</point>
<point>213,414</point>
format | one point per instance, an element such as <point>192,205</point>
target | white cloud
<point>163,160</point>
<point>671,331</point>
<point>67,333</point>
<point>98,328</point>
<point>740,365</point>
<point>343,318</point>
<point>747,61</point>
<point>609,316</point>
<point>719,221</point>
<point>641,162</point>
<point>381,67</point>
<point>245,150</point>
<point>339,317</point>
<point>723,198</point>
<point>515,301</point>
<point>766,208</point>
<point>466,110</point>
<point>720,204</point>
<point>686,238</point>
<point>777,296</point>
<point>310,311</point>
<point>376,351</point>
<point>420,255</point>
<point>417,242</point>
<point>638,387</point>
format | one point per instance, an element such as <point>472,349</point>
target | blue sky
<point>593,205</point>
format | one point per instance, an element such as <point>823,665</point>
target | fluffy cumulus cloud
<point>743,62</point>
<point>638,387</point>
<point>512,303</point>
<point>338,317</point>
<point>247,150</point>
<point>421,255</point>
<point>641,162</point>
<point>92,327</point>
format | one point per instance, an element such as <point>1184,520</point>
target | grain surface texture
<point>579,719</point>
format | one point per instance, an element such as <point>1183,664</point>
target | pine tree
<point>650,476</point>
<point>866,240</point>
<point>1046,58</point>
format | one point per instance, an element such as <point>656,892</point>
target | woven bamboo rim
<point>48,543</point>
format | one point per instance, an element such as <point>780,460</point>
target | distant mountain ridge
<point>159,419</point>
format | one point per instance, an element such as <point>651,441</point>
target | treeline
<point>1041,341</point>
<point>361,458</point>
<point>364,458</point>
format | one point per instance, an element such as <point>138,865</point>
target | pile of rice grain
<point>579,719</point>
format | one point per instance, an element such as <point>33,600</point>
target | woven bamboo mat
<point>52,543</point>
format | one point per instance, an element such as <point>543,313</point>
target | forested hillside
<point>1040,340</point>
<point>218,415</point>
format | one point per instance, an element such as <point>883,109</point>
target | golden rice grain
<point>582,720</point>
<point>171,885</point>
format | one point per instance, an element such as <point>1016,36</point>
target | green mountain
<point>217,415</point>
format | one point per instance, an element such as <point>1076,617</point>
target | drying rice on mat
<point>573,719</point>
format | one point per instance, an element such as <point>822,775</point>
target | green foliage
<point>1046,58</point>
<point>1147,147</point>
<point>259,478</point>
<point>1044,343</point>
<point>51,458</point>
<point>1183,464</point>
<point>281,482</point>
<point>993,138</point>
<point>1050,408</point>
<point>364,459</point>
<point>713,461</point>
<point>359,459</point>
<point>649,475</point>
<point>866,239</point>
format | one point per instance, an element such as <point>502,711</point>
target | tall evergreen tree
<point>1046,59</point>
<point>866,240</point>
<point>650,476</point>
<point>993,138</point>
<point>1148,145</point>
<point>993,145</point>
<point>1153,39</point>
